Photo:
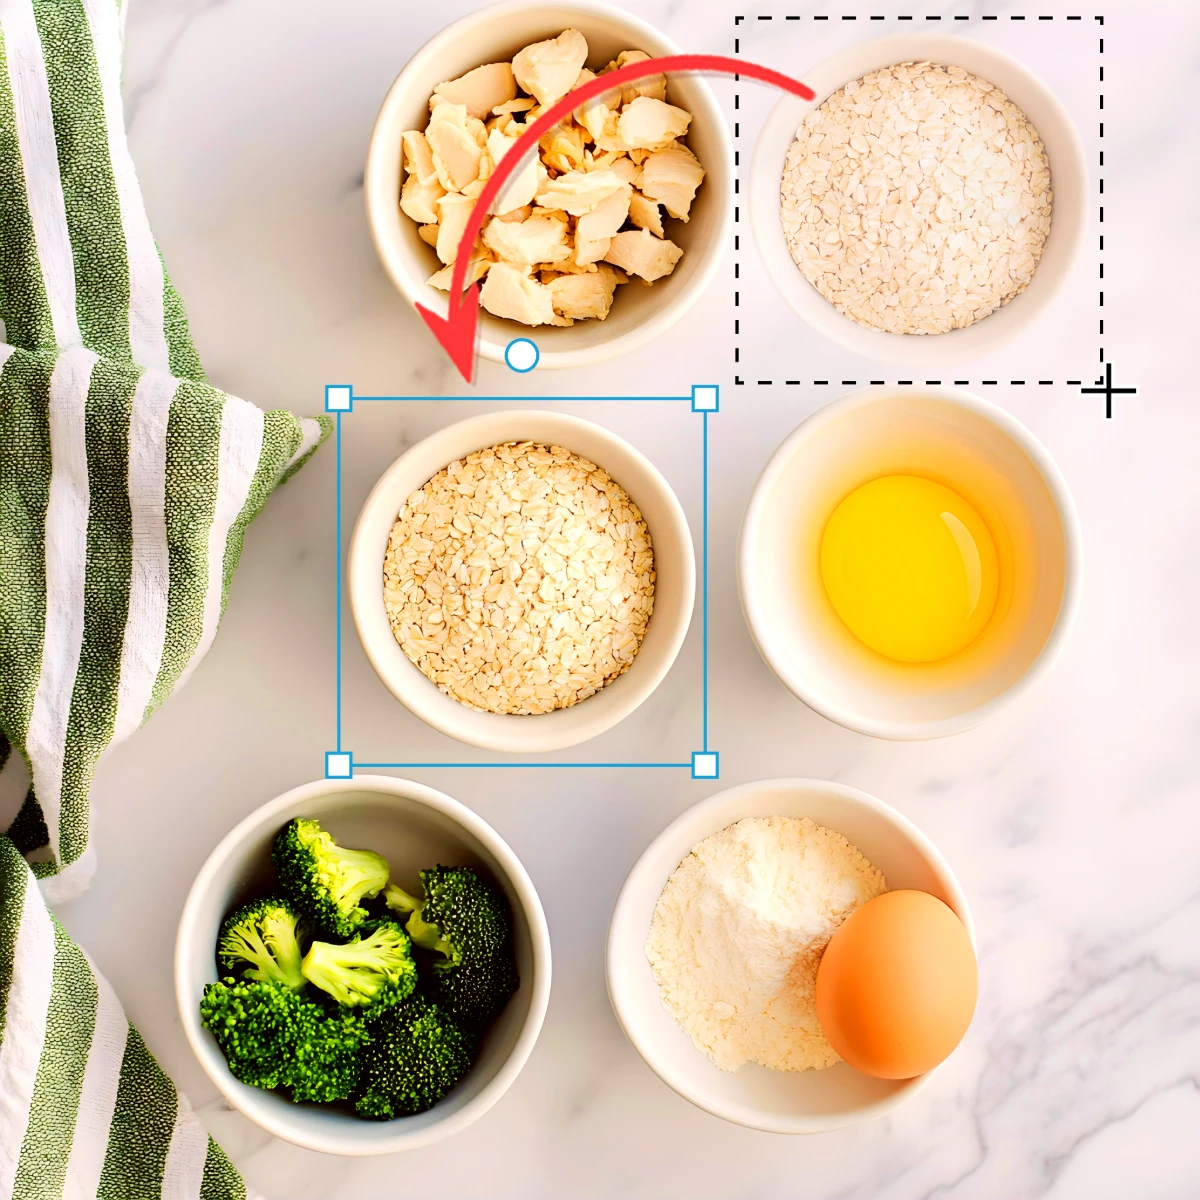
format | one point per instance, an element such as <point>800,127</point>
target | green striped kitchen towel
<point>126,484</point>
<point>84,1109</point>
<point>126,479</point>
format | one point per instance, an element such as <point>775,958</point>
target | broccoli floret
<point>369,974</point>
<point>465,921</point>
<point>273,1037</point>
<point>327,881</point>
<point>262,941</point>
<point>416,1054</point>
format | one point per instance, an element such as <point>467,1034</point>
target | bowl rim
<point>899,349</point>
<point>722,801</point>
<point>1068,607</point>
<point>640,687</point>
<point>187,933</point>
<point>720,196</point>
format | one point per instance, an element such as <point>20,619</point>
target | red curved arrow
<point>456,330</point>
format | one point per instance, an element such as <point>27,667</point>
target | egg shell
<point>897,985</point>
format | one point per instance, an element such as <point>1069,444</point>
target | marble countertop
<point>1071,818</point>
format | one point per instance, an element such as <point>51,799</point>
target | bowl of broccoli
<point>362,966</point>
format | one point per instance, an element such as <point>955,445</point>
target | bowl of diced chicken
<point>601,238</point>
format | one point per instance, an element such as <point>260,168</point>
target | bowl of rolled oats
<point>600,240</point>
<point>522,580</point>
<point>926,206</point>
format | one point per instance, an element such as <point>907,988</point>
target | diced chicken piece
<point>517,214</point>
<point>478,130</point>
<point>600,117</point>
<point>506,125</point>
<point>590,250</point>
<point>594,112</point>
<point>419,200</point>
<point>578,192</point>
<point>645,214</point>
<point>418,158</point>
<point>509,292</point>
<point>428,234</point>
<point>548,70</point>
<point>480,90</point>
<point>624,167</point>
<point>582,296</point>
<point>593,230</point>
<point>520,104</point>
<point>612,274</point>
<point>671,176</point>
<point>654,86</point>
<point>537,240</point>
<point>523,184</point>
<point>642,254</point>
<point>647,124</point>
<point>562,147</point>
<point>456,153</point>
<point>477,268</point>
<point>453,212</point>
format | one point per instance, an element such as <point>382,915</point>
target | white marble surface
<point>1071,818</point>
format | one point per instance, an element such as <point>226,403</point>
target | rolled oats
<point>917,199</point>
<point>520,579</point>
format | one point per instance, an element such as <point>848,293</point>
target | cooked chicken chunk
<point>642,254</point>
<point>562,148</point>
<point>428,234</point>
<point>523,184</point>
<point>456,153</point>
<point>477,268</point>
<point>509,292</point>
<point>536,240</point>
<point>646,214</point>
<point>548,70</point>
<point>582,296</point>
<point>648,124</point>
<point>520,104</point>
<point>481,90</point>
<point>672,176</point>
<point>624,167</point>
<point>419,200</point>
<point>593,230</point>
<point>418,158</point>
<point>578,192</point>
<point>453,212</point>
<point>654,86</point>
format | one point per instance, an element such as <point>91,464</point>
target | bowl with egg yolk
<point>909,561</point>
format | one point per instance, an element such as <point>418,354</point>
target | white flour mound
<point>738,933</point>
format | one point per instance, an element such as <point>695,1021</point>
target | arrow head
<point>456,331</point>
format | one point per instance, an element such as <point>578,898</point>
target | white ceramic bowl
<point>674,591</point>
<point>413,827</point>
<point>494,35</point>
<point>776,1101</point>
<point>980,451</point>
<point>1068,177</point>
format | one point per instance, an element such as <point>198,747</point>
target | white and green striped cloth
<point>126,484</point>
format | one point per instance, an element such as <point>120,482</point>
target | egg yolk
<point>910,567</point>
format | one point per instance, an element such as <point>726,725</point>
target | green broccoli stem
<point>423,934</point>
<point>397,897</point>
<point>427,936</point>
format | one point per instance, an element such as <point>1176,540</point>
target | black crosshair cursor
<point>1108,391</point>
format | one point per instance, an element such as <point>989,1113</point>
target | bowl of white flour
<point>716,936</point>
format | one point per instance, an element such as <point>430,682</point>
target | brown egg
<point>897,985</point>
